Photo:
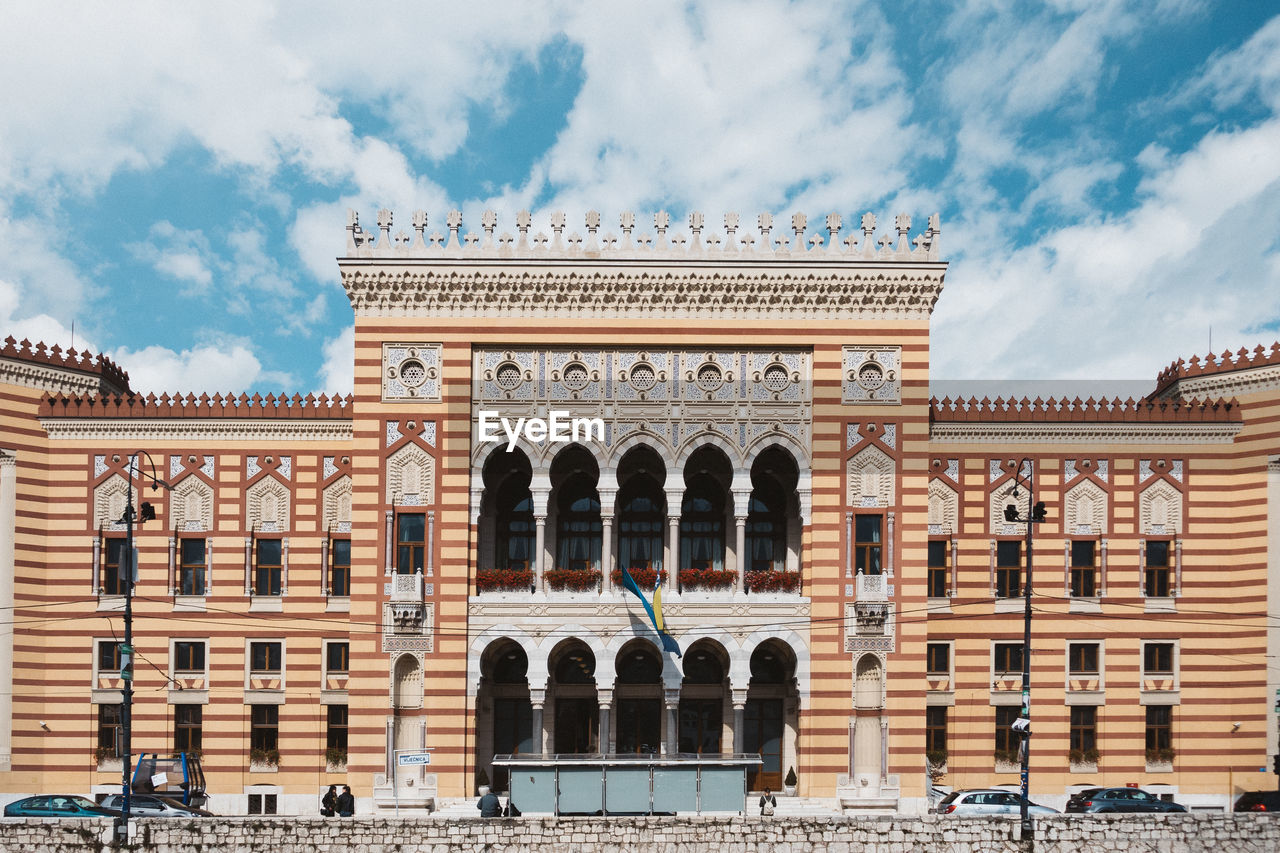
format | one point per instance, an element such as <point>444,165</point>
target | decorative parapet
<point>736,244</point>
<point>191,406</point>
<point>1239,373</point>
<point>736,275</point>
<point>1076,420</point>
<point>54,368</point>
<point>1060,410</point>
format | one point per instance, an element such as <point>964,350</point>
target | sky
<point>174,178</point>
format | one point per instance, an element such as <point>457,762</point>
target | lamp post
<point>145,512</point>
<point>1035,515</point>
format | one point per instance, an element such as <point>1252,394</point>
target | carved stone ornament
<point>267,505</point>
<point>1085,510</point>
<point>411,477</point>
<point>1160,510</point>
<point>109,500</point>
<point>871,479</point>
<point>191,505</point>
<point>944,508</point>
<point>872,375</point>
<point>411,372</point>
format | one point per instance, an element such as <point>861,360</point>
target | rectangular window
<point>113,577</point>
<point>262,804</point>
<point>264,732</point>
<point>1159,733</point>
<point>938,565</point>
<point>191,566</point>
<point>1156,574</point>
<point>264,657</point>
<point>411,542</point>
<point>1157,659</point>
<point>1083,658</point>
<point>935,732</point>
<point>337,658</point>
<point>939,659</point>
<point>108,659</point>
<point>108,730</point>
<point>1084,574</point>
<point>1008,659</point>
<point>268,567</point>
<point>340,567</point>
<point>336,736</point>
<point>867,544</point>
<point>1084,734</point>
<point>1007,740</point>
<point>1008,568</point>
<point>188,656</point>
<point>187,728</point>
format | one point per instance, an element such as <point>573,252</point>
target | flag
<point>655,615</point>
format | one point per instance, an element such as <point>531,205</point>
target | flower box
<point>574,580</point>
<point>644,578</point>
<point>771,581</point>
<point>488,580</point>
<point>707,578</point>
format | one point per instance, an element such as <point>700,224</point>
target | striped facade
<point>767,414</point>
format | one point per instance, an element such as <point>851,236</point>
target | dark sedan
<point>1110,800</point>
<point>57,805</point>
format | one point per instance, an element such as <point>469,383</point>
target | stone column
<point>853,748</point>
<point>884,750</point>
<point>741,505</point>
<point>606,742</point>
<point>540,499</point>
<point>672,699</point>
<point>607,487</point>
<point>672,561</point>
<point>739,721</point>
<point>537,698</point>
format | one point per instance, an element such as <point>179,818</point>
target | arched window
<point>702,525</point>
<point>578,530</point>
<point>640,527</point>
<point>766,534</point>
<point>515,541</point>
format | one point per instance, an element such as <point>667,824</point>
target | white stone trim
<point>196,429</point>
<point>1087,433</point>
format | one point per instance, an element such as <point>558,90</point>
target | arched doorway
<point>700,727</point>
<point>507,536</point>
<point>868,703</point>
<point>641,514</point>
<point>765,715</point>
<point>578,528</point>
<point>504,699</point>
<point>704,512</point>
<point>773,522</point>
<point>638,696</point>
<point>573,687</point>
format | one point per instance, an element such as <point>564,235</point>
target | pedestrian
<point>346,803</point>
<point>489,805</point>
<point>768,802</point>
<point>329,803</point>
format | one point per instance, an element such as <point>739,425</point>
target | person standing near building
<point>768,802</point>
<point>346,803</point>
<point>329,803</point>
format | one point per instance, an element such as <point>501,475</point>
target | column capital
<point>739,698</point>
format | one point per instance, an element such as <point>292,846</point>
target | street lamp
<point>145,512</point>
<point>1035,514</point>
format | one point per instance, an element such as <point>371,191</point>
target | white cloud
<point>229,367</point>
<point>184,255</point>
<point>38,328</point>
<point>336,374</point>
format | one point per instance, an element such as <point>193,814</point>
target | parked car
<point>1258,801</point>
<point>57,805</point>
<point>987,801</point>
<point>1104,800</point>
<point>149,805</point>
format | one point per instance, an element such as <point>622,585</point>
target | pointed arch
<point>337,504</point>
<point>267,505</point>
<point>1085,509</point>
<point>944,508</point>
<point>406,682</point>
<point>191,504</point>
<point>109,501</point>
<point>1160,509</point>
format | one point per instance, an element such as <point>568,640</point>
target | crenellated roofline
<point>54,369</point>
<point>190,406</point>
<point>1238,373</point>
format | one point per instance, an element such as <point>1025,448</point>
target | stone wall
<point>1190,833</point>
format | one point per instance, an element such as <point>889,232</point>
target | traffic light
<point>1275,764</point>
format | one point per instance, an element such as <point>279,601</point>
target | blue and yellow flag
<point>654,610</point>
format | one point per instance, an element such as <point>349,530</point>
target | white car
<point>149,805</point>
<point>987,801</point>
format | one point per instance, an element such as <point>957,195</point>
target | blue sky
<point>174,178</point>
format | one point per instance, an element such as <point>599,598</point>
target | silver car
<point>149,805</point>
<point>987,801</point>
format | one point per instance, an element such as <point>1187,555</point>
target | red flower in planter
<point>644,578</point>
<point>574,580</point>
<point>767,580</point>
<point>708,578</point>
<point>488,580</point>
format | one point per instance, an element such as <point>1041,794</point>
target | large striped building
<point>739,415</point>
